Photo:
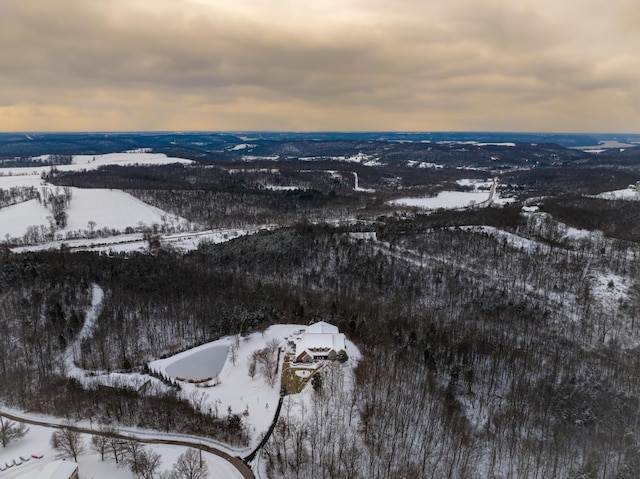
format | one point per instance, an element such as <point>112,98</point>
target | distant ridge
<point>192,144</point>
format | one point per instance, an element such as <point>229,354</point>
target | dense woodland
<point>498,342</point>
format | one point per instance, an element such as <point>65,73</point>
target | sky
<point>305,65</point>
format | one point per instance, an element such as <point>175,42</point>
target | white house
<point>319,341</point>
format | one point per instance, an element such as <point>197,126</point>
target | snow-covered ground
<point>444,199</point>
<point>112,209</point>
<point>625,194</point>
<point>134,242</point>
<point>19,181</point>
<point>241,146</point>
<point>237,391</point>
<point>36,442</point>
<point>258,158</point>
<point>475,183</point>
<point>284,188</point>
<point>422,164</point>
<point>476,143</point>
<point>362,158</point>
<point>234,391</point>
<point>93,162</point>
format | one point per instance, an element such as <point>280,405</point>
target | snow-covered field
<point>36,442</point>
<point>111,209</point>
<point>93,162</point>
<point>241,146</point>
<point>625,194</point>
<point>444,199</point>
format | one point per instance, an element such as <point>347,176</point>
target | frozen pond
<point>445,199</point>
<point>201,364</point>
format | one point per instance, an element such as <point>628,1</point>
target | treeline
<point>583,180</point>
<point>209,178</point>
<point>45,160</point>
<point>16,194</point>
<point>506,217</point>
<point>615,218</point>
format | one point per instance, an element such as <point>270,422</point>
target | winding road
<point>236,462</point>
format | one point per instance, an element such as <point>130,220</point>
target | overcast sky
<point>299,65</point>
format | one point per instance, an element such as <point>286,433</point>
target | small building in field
<point>320,341</point>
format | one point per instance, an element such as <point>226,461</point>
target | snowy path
<point>72,352</point>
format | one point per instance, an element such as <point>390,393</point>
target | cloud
<point>250,64</point>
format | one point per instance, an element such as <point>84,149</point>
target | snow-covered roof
<point>58,470</point>
<point>322,327</point>
<point>319,339</point>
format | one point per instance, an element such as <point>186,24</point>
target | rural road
<point>492,192</point>
<point>236,462</point>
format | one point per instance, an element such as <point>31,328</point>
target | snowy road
<point>244,470</point>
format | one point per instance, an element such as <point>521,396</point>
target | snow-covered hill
<point>89,210</point>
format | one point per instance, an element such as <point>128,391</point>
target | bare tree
<point>68,441</point>
<point>103,442</point>
<point>116,447</point>
<point>133,456</point>
<point>99,444</point>
<point>190,466</point>
<point>149,463</point>
<point>268,365</point>
<point>233,349</point>
<point>273,344</point>
<point>10,431</point>
<point>252,367</point>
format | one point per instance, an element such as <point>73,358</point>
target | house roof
<point>58,470</point>
<point>322,327</point>
<point>319,339</point>
<point>54,470</point>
